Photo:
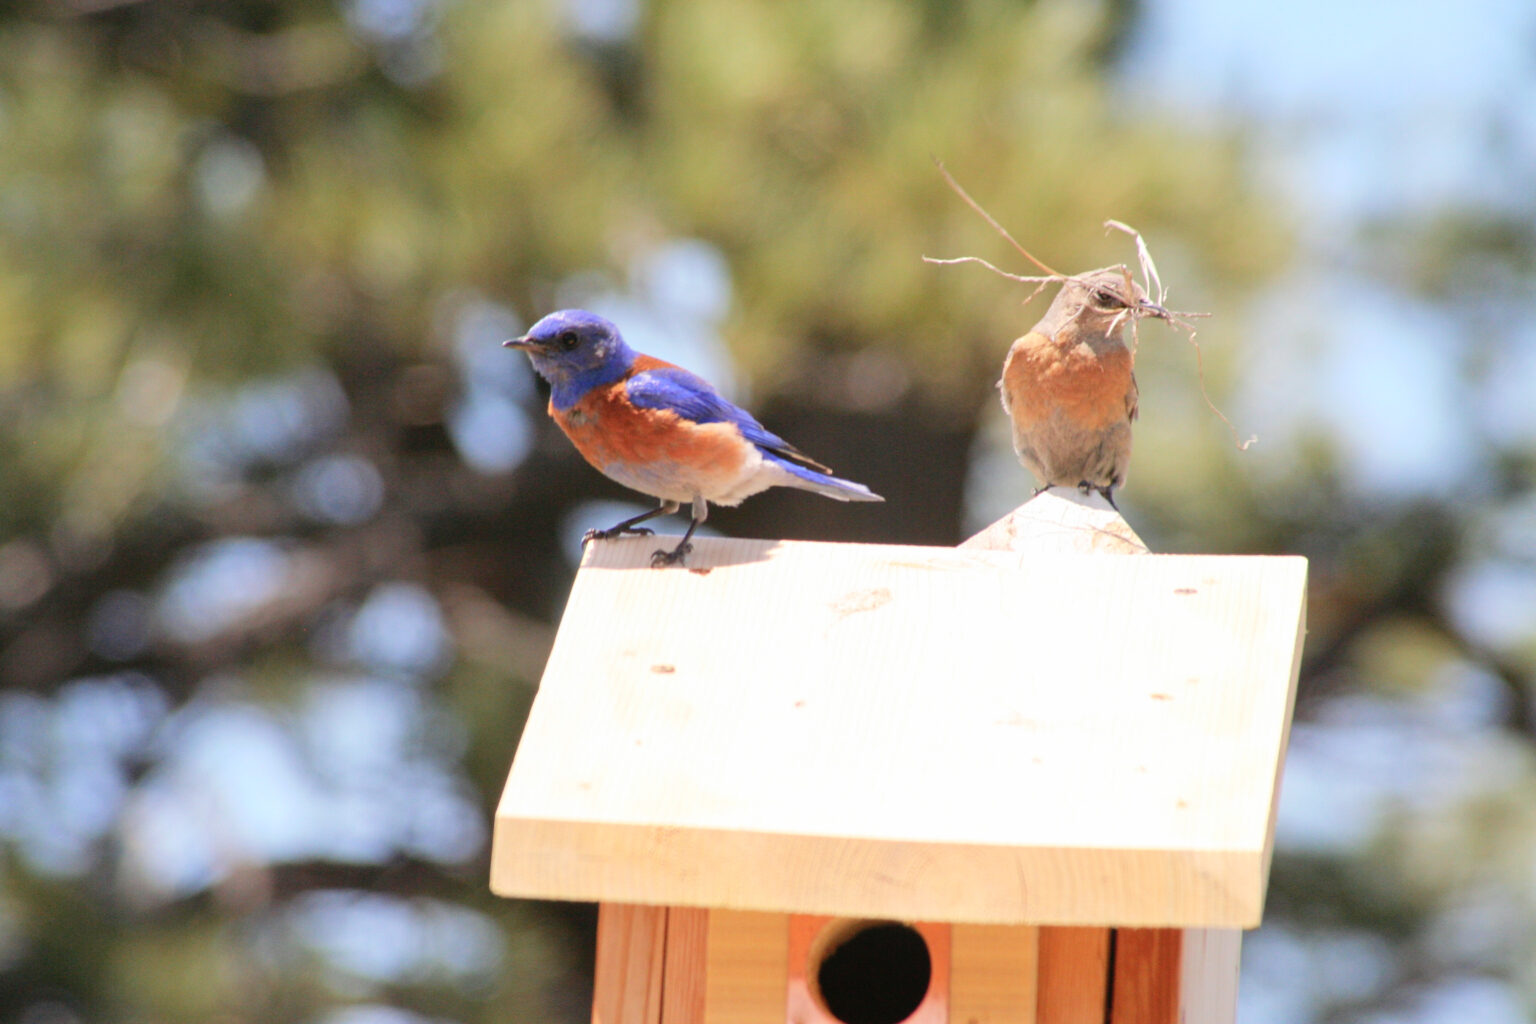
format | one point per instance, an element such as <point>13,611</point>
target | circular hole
<point>876,974</point>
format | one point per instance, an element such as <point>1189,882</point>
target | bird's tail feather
<point>824,483</point>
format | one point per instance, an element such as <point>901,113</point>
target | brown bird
<point>1069,388</point>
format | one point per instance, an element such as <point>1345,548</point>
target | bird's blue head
<point>575,351</point>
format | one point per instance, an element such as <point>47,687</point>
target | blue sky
<point>1363,110</point>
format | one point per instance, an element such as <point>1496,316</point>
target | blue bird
<point>658,429</point>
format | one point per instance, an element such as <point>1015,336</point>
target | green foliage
<point>237,244</point>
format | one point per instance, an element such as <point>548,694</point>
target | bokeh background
<point>284,533</point>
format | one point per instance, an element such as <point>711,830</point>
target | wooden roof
<point>910,732</point>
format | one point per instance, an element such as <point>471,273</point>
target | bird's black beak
<point>1146,308</point>
<point>525,343</point>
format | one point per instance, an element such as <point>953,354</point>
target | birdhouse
<point>1022,780</point>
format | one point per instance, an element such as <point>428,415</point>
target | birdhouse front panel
<point>676,965</point>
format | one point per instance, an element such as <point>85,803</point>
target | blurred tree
<point>284,529</point>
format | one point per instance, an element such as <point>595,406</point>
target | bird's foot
<point>616,531</point>
<point>1108,493</point>
<point>662,559</point>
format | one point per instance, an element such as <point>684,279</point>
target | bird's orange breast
<point>1091,389</point>
<point>609,430</point>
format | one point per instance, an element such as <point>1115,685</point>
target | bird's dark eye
<point>567,340</point>
<point>1107,300</point>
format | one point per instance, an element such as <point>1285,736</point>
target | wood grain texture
<point>685,962</point>
<point>1073,965</point>
<point>1148,976</point>
<point>747,956</point>
<point>1152,690</point>
<point>631,942</point>
<point>993,974</point>
<point>1062,519</point>
<point>1074,974</point>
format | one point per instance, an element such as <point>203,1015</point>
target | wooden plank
<point>1285,733</point>
<point>608,972</point>
<point>648,960</point>
<point>627,978</point>
<point>745,966</point>
<point>1209,971</point>
<point>1152,689</point>
<point>1062,520</point>
<point>993,973</point>
<point>801,1005</point>
<point>1148,976</point>
<point>656,724</point>
<point>1073,963</point>
<point>683,981</point>
<point>1074,975</point>
<point>1074,984</point>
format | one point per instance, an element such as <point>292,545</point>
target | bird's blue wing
<point>692,397</point>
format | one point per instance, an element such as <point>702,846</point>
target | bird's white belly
<point>674,481</point>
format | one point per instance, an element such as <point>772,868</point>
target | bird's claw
<point>662,559</point>
<point>1107,493</point>
<point>610,534</point>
